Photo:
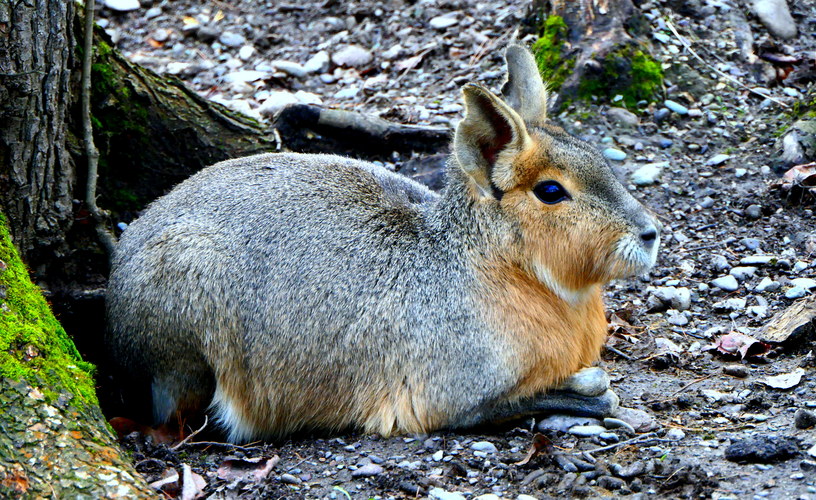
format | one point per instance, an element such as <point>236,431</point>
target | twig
<point>191,436</point>
<point>678,391</point>
<point>652,436</point>
<point>619,353</point>
<point>91,153</point>
<point>221,445</point>
<point>713,68</point>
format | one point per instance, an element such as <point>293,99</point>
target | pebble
<point>751,243</point>
<point>739,371</point>
<point>440,494</point>
<point>743,273</point>
<point>648,174</point>
<point>232,40</point>
<point>246,52</point>
<point>719,263</point>
<point>244,76</point>
<point>484,446</point>
<point>587,430</point>
<point>767,285</point>
<point>609,437</point>
<point>763,449</point>
<point>799,266</point>
<point>489,496</point>
<point>807,465</point>
<point>677,297</point>
<point>676,107</point>
<point>614,154</point>
<point>726,283</point>
<point>623,117</point>
<point>753,212</point>
<point>290,68</point>
<point>290,479</point>
<point>660,115</point>
<point>563,423</point>
<point>639,420</point>
<point>318,63</point>
<point>616,423</point>
<point>796,292</point>
<point>276,101</point>
<point>347,93</point>
<point>717,160</point>
<point>664,142</point>
<point>122,5</point>
<point>804,419</point>
<point>368,470</point>
<point>757,260</point>
<point>812,451</point>
<point>806,283</point>
<point>776,16</point>
<point>590,382</point>
<point>444,21</point>
<point>153,12</point>
<point>674,434</point>
<point>352,56</point>
<point>438,456</point>
<point>677,318</point>
<point>207,34</point>
<point>707,202</point>
<point>525,497</point>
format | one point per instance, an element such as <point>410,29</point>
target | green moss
<point>629,72</point>
<point>547,50</point>
<point>33,346</point>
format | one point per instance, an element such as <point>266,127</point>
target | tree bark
<point>36,172</point>
<point>54,440</point>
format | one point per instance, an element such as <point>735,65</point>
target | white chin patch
<point>569,295</point>
<point>633,258</point>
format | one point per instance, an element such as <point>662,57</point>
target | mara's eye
<point>550,192</point>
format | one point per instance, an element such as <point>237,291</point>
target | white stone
<point>440,494</point>
<point>347,93</point>
<point>276,101</point>
<point>648,174</point>
<point>122,5</point>
<point>726,283</point>
<point>614,154</point>
<point>290,68</point>
<point>587,430</point>
<point>767,284</point>
<point>318,63</point>
<point>444,21</point>
<point>245,76</point>
<point>484,446</point>
<point>246,52</point>
<point>352,56</point>
<point>674,434</point>
<point>796,292</point>
<point>232,40</point>
<point>308,97</point>
<point>776,16</point>
<point>806,283</point>
<point>757,260</point>
<point>718,160</point>
<point>742,273</point>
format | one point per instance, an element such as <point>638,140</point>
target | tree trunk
<point>55,441</point>
<point>595,50</point>
<point>36,173</point>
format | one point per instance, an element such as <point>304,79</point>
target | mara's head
<point>574,224</point>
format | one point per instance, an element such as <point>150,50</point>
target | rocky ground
<point>737,248</point>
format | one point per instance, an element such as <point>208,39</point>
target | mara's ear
<point>488,139</point>
<point>524,89</point>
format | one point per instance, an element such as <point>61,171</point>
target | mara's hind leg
<point>585,394</point>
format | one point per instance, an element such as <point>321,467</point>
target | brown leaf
<point>540,444</point>
<point>736,343</point>
<point>254,469</point>
<point>802,175</point>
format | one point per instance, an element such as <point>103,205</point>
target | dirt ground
<point>716,210</point>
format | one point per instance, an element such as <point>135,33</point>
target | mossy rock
<point>548,52</point>
<point>629,72</point>
<point>33,345</point>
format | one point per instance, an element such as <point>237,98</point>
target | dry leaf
<point>736,343</point>
<point>786,380</point>
<point>189,21</point>
<point>192,484</point>
<point>154,43</point>
<point>254,469</point>
<point>802,175</point>
<point>218,16</point>
<point>409,63</point>
<point>540,444</point>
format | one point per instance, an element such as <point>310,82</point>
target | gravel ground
<point>706,162</point>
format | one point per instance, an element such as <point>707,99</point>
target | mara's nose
<point>649,235</point>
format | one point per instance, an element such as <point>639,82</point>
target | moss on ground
<point>629,72</point>
<point>33,346</point>
<point>547,50</point>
